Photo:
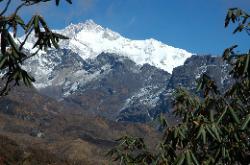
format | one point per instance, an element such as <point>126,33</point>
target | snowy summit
<point>89,40</point>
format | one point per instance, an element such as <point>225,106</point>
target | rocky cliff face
<point>195,66</point>
<point>105,73</point>
<point>182,76</point>
<point>105,86</point>
<point>108,75</point>
<point>115,87</point>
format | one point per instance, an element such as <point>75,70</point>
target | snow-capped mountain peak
<point>74,29</point>
<point>89,39</point>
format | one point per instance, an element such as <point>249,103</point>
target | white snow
<point>225,76</point>
<point>200,70</point>
<point>89,40</point>
<point>148,95</point>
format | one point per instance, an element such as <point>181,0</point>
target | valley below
<point>35,129</point>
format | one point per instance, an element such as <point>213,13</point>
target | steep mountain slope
<point>103,86</point>
<point>182,76</point>
<point>103,72</point>
<point>106,74</point>
<point>186,75</point>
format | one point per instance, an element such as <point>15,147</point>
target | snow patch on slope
<point>148,95</point>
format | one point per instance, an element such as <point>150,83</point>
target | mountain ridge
<point>111,84</point>
<point>89,39</point>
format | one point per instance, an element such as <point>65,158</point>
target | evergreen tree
<point>12,53</point>
<point>215,126</point>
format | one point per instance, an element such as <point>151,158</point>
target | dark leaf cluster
<point>215,127</point>
<point>241,17</point>
<point>12,53</point>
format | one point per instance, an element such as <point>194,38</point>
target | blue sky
<point>194,25</point>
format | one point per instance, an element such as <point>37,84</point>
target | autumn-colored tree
<point>12,53</point>
<point>215,126</point>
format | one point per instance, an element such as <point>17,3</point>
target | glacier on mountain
<point>89,40</point>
